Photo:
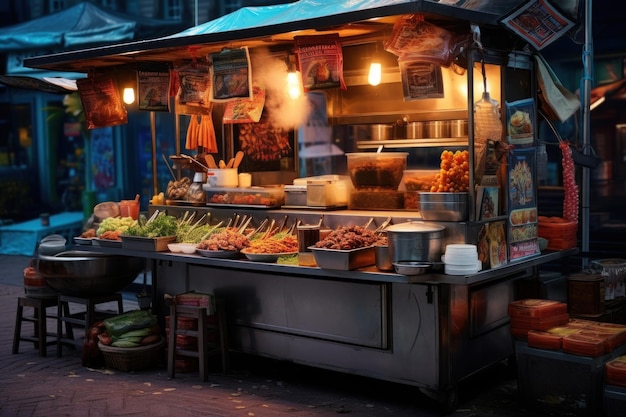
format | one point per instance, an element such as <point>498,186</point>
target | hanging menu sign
<point>153,89</point>
<point>522,204</point>
<point>320,59</point>
<point>231,75</point>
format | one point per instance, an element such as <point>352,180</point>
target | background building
<point>42,159</point>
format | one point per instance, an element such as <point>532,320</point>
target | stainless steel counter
<point>430,331</point>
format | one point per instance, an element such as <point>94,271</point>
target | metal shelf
<point>412,143</point>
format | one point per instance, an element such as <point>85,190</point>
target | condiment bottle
<point>195,193</point>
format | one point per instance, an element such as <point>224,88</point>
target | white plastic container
<point>325,190</point>
<point>323,193</point>
<point>226,177</point>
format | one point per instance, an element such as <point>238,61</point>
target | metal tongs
<point>195,161</point>
<point>380,229</point>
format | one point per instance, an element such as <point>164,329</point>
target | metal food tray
<point>344,259</point>
<point>106,243</point>
<point>252,206</point>
<point>83,240</point>
<point>153,244</point>
<point>329,208</point>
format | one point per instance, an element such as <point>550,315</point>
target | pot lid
<point>412,226</point>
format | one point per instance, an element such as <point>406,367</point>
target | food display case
<point>431,330</point>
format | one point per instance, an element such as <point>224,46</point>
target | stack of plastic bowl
<point>461,259</point>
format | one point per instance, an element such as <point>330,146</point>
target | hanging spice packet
<point>231,75</point>
<point>320,59</point>
<point>415,38</point>
<point>102,104</point>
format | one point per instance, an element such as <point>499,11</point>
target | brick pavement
<point>254,387</point>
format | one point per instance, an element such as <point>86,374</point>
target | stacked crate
<point>189,364</point>
<point>615,387</point>
<point>562,368</point>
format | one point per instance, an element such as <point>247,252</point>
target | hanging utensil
<point>169,167</point>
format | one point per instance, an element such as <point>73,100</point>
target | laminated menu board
<point>231,75</point>
<point>522,203</point>
<point>320,59</point>
<point>491,245</point>
<point>538,22</point>
<point>153,89</point>
<point>519,122</point>
<point>420,80</point>
<point>194,84</point>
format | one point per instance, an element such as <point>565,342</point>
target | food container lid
<point>377,154</point>
<point>295,187</point>
<point>414,227</point>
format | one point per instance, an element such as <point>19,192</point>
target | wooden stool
<point>39,319</point>
<point>205,348</point>
<point>83,319</point>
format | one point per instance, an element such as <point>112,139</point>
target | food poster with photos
<point>522,203</point>
<point>519,122</point>
<point>153,86</point>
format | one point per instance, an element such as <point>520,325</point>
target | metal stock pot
<point>415,241</point>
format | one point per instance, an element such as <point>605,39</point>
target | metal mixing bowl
<point>88,274</point>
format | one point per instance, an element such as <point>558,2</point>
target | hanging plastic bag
<point>589,160</point>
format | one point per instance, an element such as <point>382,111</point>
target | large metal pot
<point>415,241</point>
<point>88,274</point>
<point>381,132</point>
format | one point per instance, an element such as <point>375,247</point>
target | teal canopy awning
<point>78,26</point>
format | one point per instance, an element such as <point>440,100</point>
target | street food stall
<point>439,155</point>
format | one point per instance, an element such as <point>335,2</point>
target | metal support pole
<point>155,180</point>
<point>586,99</point>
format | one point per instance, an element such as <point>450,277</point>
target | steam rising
<point>271,71</point>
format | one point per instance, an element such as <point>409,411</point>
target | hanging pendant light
<point>376,69</point>
<point>375,75</point>
<point>128,95</point>
<point>294,84</point>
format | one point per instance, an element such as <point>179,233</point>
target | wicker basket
<point>132,359</point>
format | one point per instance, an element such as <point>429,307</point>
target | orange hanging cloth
<point>208,135</point>
<point>191,142</point>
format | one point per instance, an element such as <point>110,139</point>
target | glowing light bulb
<point>293,84</point>
<point>129,95</point>
<point>375,73</point>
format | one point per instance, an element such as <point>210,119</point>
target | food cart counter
<point>430,331</point>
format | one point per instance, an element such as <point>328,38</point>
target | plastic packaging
<point>487,122</point>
